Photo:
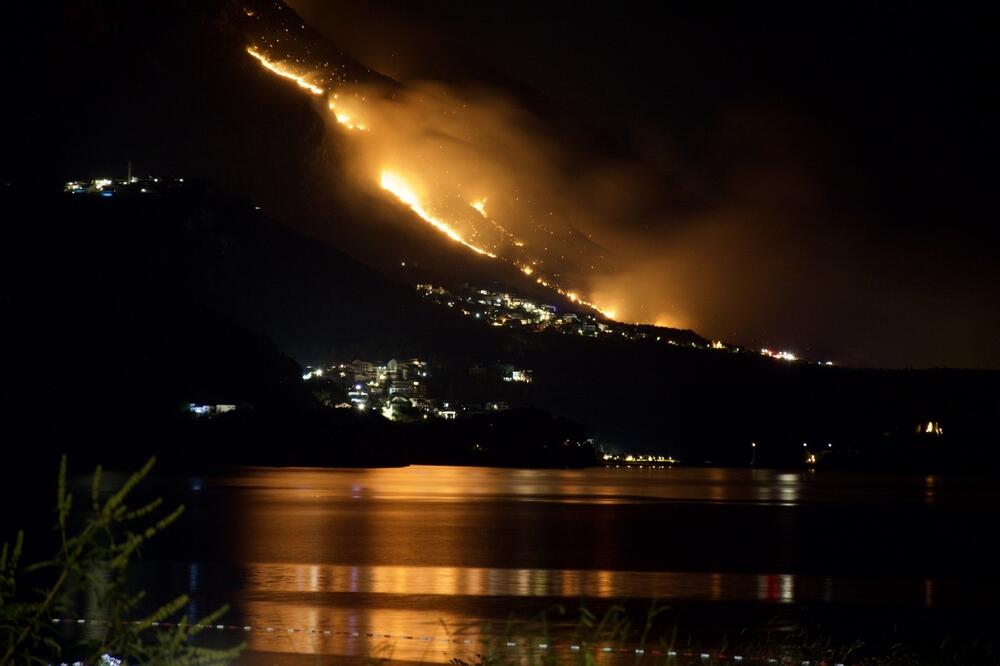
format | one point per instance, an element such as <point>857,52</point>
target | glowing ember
<point>283,72</point>
<point>402,191</point>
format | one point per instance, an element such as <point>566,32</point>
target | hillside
<point>144,301</point>
<point>180,96</point>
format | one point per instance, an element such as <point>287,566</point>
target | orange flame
<point>399,188</point>
<point>284,72</point>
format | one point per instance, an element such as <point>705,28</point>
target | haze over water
<point>416,555</point>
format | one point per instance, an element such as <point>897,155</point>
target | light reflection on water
<point>592,486</point>
<point>437,550</point>
<point>288,613</point>
<point>474,581</point>
<point>291,612</point>
<point>352,631</point>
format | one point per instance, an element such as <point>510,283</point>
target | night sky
<point>845,153</point>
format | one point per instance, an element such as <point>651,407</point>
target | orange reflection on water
<point>591,486</point>
<point>296,608</point>
<point>473,582</point>
<point>333,553</point>
<point>930,483</point>
<point>361,632</point>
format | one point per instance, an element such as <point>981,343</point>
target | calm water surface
<point>418,555</point>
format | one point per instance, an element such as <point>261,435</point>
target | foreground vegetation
<point>96,547</point>
<point>615,637</point>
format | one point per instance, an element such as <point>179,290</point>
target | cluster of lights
<point>107,187</point>
<point>930,428</point>
<point>775,354</point>
<point>502,309</point>
<point>399,396</point>
<point>521,376</point>
<point>780,355</point>
<point>630,458</point>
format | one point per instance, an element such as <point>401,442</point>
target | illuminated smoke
<point>445,153</point>
<point>473,166</point>
<point>738,236</point>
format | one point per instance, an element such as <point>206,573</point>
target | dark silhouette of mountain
<point>96,350</point>
<point>124,308</point>
<point>140,287</point>
<point>193,246</point>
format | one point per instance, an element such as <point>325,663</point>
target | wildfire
<point>344,118</point>
<point>284,72</point>
<point>349,123</point>
<point>399,188</point>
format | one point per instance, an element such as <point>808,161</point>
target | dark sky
<point>906,96</point>
<point>860,137</point>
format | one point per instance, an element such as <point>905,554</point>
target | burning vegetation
<point>444,154</point>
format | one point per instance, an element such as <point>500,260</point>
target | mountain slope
<point>179,95</point>
<point>150,294</point>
